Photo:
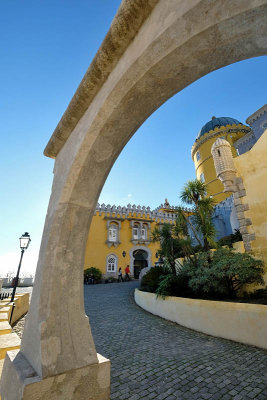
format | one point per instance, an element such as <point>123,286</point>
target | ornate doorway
<point>140,261</point>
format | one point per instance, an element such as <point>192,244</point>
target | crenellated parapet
<point>133,211</point>
<point>233,130</point>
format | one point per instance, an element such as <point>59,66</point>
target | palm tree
<point>195,192</point>
<point>170,245</point>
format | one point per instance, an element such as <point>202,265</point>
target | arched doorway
<point>140,261</point>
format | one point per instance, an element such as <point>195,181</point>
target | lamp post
<point>24,244</point>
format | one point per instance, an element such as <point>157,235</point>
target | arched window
<point>112,263</point>
<point>136,232</point>
<point>202,177</point>
<point>197,155</point>
<point>113,233</point>
<point>144,232</point>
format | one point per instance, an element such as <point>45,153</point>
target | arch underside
<point>171,50</point>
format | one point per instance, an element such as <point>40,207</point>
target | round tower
<point>226,128</point>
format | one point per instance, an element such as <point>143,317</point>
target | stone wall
<point>244,323</point>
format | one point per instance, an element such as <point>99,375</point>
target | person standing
<point>120,275</point>
<point>127,272</point>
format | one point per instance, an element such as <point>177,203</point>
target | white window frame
<point>135,232</point>
<point>111,263</point>
<point>113,233</point>
<point>143,233</point>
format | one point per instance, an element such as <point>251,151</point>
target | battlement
<point>139,211</point>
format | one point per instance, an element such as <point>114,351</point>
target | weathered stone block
<point>238,180</point>
<point>247,246</point>
<point>252,236</point>
<point>237,200</point>
<point>242,193</point>
<point>239,208</point>
<point>245,207</point>
<point>20,381</point>
<point>240,215</point>
<point>242,223</point>
<point>248,221</point>
<point>243,230</point>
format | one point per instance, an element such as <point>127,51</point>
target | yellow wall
<point>205,164</point>
<point>97,250</point>
<point>252,167</point>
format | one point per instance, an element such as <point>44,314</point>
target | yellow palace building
<point>121,236</point>
<point>241,138</point>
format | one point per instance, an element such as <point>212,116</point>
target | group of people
<point>127,274</point>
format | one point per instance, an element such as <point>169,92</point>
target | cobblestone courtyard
<point>156,359</point>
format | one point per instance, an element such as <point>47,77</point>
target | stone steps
<point>10,341</point>
<point>5,328</point>
<point>4,317</point>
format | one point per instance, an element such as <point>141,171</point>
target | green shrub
<point>95,272</point>
<point>229,240</point>
<point>170,285</point>
<point>150,280</point>
<point>223,273</point>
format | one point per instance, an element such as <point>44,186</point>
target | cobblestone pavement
<point>156,359</point>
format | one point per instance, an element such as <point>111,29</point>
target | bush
<point>229,240</point>
<point>170,285</point>
<point>95,272</point>
<point>223,273</point>
<point>150,280</point>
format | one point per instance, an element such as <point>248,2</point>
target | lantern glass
<point>25,241</point>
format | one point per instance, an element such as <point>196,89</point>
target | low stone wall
<point>241,322</point>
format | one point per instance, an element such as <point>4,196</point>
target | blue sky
<point>45,49</point>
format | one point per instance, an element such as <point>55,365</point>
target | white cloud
<point>129,195</point>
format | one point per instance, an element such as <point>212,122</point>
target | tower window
<point>198,156</point>
<point>202,177</point>
<point>219,153</point>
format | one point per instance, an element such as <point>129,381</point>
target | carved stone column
<point>226,172</point>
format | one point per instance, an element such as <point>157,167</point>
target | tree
<point>195,193</point>
<point>172,244</point>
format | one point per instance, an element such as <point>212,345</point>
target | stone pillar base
<point>19,381</point>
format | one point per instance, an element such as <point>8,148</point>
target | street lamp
<point>24,244</point>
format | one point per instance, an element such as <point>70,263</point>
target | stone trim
<point>226,172</point>
<point>117,222</point>
<point>139,247</point>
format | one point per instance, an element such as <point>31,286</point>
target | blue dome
<point>217,122</point>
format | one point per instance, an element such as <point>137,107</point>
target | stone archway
<point>153,50</point>
<point>141,249</point>
<point>140,262</point>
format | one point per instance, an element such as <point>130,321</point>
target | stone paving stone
<point>152,358</point>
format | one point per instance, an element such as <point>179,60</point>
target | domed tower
<point>226,128</point>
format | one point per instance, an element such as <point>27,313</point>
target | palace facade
<point>121,236</point>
